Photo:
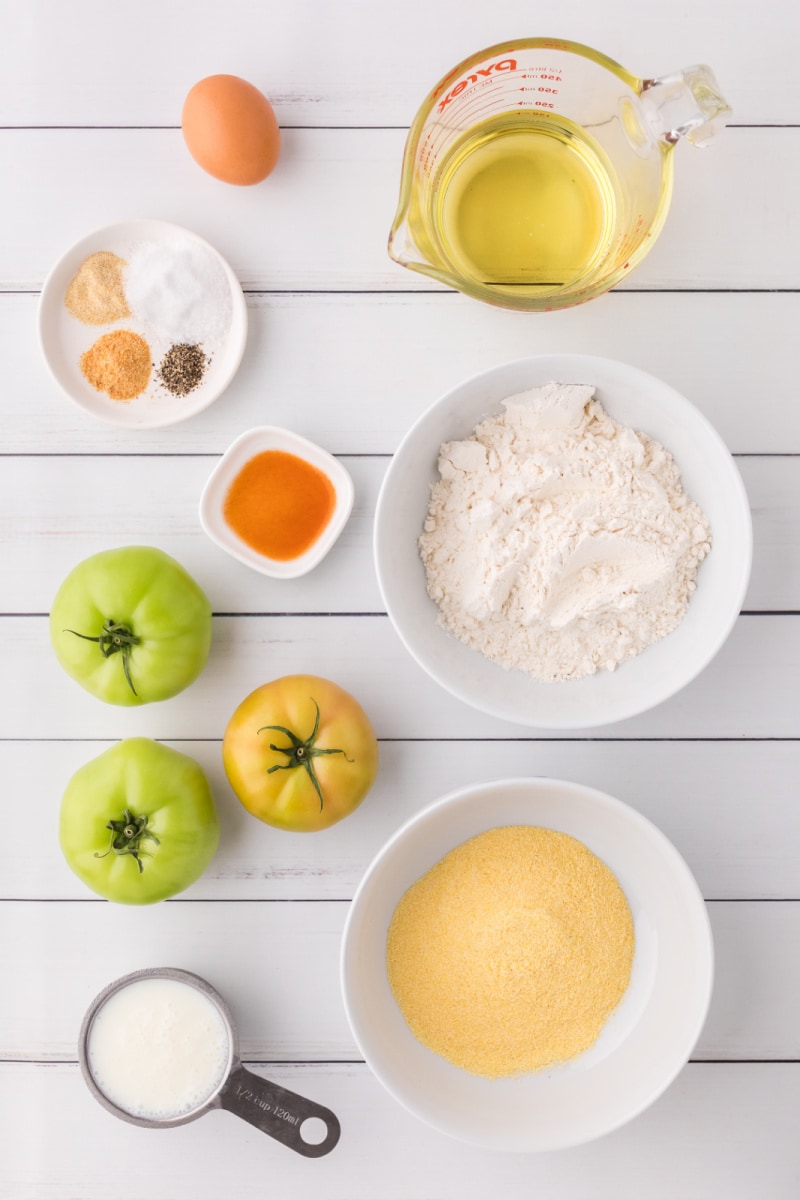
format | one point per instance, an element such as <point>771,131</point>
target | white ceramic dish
<point>255,441</point>
<point>644,1044</point>
<point>709,476</point>
<point>64,339</point>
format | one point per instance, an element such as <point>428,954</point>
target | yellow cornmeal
<point>509,955</point>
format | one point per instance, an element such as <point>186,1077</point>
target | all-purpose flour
<point>558,541</point>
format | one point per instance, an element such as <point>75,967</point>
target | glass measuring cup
<point>272,1109</point>
<point>538,173</point>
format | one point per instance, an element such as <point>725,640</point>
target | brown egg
<point>231,129</point>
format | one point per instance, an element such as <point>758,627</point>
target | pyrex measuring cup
<point>538,172</point>
<point>273,1109</point>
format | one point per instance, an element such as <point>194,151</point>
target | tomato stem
<point>115,639</point>
<point>127,833</point>
<point>301,753</point>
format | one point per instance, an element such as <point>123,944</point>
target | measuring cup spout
<point>403,248</point>
<point>686,104</point>
<point>401,245</point>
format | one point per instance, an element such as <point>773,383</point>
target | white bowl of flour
<point>563,556</point>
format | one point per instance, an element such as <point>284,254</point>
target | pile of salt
<point>179,290</point>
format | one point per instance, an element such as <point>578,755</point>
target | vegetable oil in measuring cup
<point>522,201</point>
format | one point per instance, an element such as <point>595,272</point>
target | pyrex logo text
<point>505,64</point>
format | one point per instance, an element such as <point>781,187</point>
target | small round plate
<point>64,338</point>
<point>646,1040</point>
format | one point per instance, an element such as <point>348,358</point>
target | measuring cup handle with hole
<point>277,1111</point>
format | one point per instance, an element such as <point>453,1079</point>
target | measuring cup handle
<point>277,1111</point>
<point>687,103</point>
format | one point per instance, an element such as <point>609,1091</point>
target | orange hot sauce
<point>279,504</point>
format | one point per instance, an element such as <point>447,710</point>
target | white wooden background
<point>348,349</point>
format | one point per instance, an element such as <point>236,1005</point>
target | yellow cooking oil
<point>523,201</point>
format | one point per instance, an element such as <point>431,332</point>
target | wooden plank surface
<point>340,241</point>
<point>749,689</point>
<point>349,349</point>
<point>276,964</point>
<point>342,64</point>
<point>721,1130</point>
<point>41,540</point>
<point>380,360</point>
<point>701,794</point>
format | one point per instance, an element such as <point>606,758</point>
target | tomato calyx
<point>301,753</point>
<point>127,834</point>
<point>115,639</point>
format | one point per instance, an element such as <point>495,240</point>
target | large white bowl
<point>645,1042</point>
<point>709,475</point>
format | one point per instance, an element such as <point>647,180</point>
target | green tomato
<point>131,625</point>
<point>138,823</point>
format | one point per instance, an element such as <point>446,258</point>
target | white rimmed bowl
<point>647,1039</point>
<point>248,444</point>
<point>63,338</point>
<point>709,475</point>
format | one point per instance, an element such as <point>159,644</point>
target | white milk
<point>158,1048</point>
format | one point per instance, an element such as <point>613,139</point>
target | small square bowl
<point>246,446</point>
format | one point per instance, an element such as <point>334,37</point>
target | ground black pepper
<point>182,368</point>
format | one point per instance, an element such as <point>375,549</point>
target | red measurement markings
<point>478,106</point>
<point>482,100</point>
<point>445,82</point>
<point>504,65</point>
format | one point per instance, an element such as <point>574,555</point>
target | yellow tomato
<point>300,753</point>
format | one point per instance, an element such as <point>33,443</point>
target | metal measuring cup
<point>268,1106</point>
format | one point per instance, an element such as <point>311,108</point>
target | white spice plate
<point>647,1039</point>
<point>709,476</point>
<point>64,338</point>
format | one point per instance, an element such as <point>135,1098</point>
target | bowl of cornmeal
<point>563,541</point>
<point>527,964</point>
